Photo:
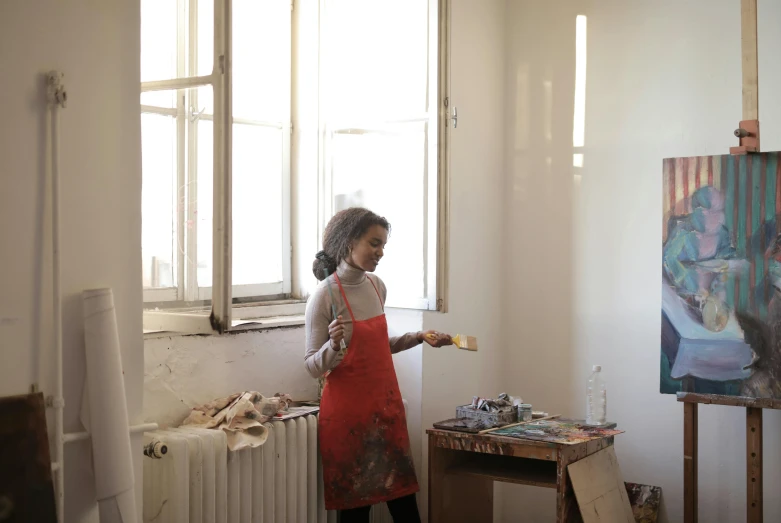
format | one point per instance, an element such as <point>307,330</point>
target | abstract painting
<point>721,275</point>
<point>645,501</point>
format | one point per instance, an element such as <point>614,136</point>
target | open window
<point>219,197</point>
<point>379,115</point>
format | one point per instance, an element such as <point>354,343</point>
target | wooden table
<point>463,467</point>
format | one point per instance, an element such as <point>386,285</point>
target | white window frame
<point>437,188</point>
<point>221,81</point>
<point>187,289</point>
<point>436,171</point>
<point>439,216</point>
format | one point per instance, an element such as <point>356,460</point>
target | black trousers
<point>403,510</point>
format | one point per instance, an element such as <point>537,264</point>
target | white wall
<point>96,45</point>
<point>477,231</point>
<point>663,79</point>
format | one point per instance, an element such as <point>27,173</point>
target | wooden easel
<point>748,129</point>
<point>748,135</point>
<point>754,408</point>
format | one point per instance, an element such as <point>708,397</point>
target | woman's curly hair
<point>344,228</point>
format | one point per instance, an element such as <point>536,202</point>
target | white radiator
<point>198,480</point>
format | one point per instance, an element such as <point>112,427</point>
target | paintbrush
<point>342,344</point>
<point>460,340</point>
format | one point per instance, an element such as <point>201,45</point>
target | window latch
<point>195,115</point>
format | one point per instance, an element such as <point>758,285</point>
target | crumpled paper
<point>241,416</point>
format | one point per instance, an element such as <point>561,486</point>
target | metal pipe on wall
<point>57,98</point>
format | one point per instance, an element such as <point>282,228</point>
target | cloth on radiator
<point>241,416</point>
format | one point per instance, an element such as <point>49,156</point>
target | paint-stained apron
<point>363,429</point>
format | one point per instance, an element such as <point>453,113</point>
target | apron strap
<point>344,297</point>
<point>382,305</point>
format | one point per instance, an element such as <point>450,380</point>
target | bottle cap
<point>597,368</point>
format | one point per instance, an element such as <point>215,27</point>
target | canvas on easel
<point>721,275</point>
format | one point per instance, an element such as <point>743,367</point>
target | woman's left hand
<point>435,338</point>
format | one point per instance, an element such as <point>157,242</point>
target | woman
<point>363,430</point>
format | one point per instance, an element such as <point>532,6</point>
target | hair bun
<point>323,266</point>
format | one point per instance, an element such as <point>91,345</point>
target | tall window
<point>374,94</point>
<point>379,112</point>
<point>177,145</point>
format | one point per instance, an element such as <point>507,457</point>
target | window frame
<point>221,81</point>
<point>299,221</point>
<point>436,172</point>
<point>439,220</point>
<point>186,117</point>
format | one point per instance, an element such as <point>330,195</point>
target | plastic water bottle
<point>596,398</point>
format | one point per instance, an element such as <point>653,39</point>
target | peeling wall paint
<point>181,372</point>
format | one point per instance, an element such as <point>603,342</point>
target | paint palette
<point>472,426</point>
<point>564,431</point>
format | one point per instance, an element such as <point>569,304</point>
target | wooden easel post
<point>748,130</point>
<point>754,408</point>
<point>748,134</point>
<point>754,464</point>
<point>690,462</point>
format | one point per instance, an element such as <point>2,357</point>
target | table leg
<point>456,499</point>
<point>690,463</point>
<point>567,510</point>
<point>754,465</point>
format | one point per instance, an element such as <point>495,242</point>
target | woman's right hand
<point>336,332</point>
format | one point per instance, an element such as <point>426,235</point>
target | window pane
<point>201,102</point>
<point>205,201</point>
<point>206,37</point>
<point>257,204</point>
<point>372,72</point>
<point>261,62</point>
<point>164,99</point>
<point>159,196</point>
<point>158,39</point>
<point>205,100</point>
<point>384,171</point>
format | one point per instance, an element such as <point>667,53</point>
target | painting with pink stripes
<point>721,275</point>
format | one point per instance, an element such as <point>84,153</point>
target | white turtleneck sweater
<point>320,357</point>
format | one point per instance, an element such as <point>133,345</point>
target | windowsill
<point>247,317</point>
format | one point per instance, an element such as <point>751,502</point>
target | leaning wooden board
<point>26,487</point>
<point>600,490</point>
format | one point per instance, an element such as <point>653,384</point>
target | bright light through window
<point>373,94</point>
<point>177,41</point>
<point>579,117</point>
<point>378,122</point>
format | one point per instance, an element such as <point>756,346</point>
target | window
<point>178,148</point>
<point>366,106</point>
<point>379,115</point>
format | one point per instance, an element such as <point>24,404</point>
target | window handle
<point>455,117</point>
<point>195,114</point>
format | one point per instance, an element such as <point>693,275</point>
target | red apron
<point>363,429</point>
